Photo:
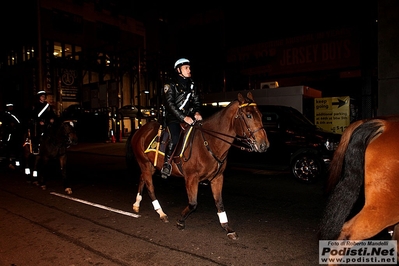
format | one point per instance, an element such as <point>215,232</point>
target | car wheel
<point>307,168</point>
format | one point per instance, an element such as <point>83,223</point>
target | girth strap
<point>219,161</point>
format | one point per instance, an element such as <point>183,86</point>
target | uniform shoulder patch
<point>166,88</point>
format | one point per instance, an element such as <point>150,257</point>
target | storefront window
<point>103,59</point>
<point>68,51</point>
<point>57,49</point>
<point>77,53</point>
<point>27,53</point>
<point>12,58</point>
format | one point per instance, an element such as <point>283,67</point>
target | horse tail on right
<point>346,176</point>
<point>131,162</point>
<point>335,168</point>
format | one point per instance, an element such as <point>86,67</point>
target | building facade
<point>88,53</point>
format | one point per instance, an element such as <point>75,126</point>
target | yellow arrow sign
<point>332,113</point>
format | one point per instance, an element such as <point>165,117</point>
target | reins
<point>247,140</point>
<point>60,136</point>
<point>218,135</point>
<point>244,139</point>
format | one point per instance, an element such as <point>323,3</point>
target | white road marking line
<point>97,205</point>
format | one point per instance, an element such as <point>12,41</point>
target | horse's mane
<point>53,131</point>
<point>219,112</point>
<point>216,112</point>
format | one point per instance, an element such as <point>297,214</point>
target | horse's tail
<point>130,158</point>
<point>339,154</point>
<point>347,171</point>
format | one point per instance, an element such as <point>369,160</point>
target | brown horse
<point>363,181</point>
<point>54,144</point>
<point>203,155</point>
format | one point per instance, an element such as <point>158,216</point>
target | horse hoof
<point>136,209</point>
<point>43,187</point>
<point>68,190</point>
<point>180,225</point>
<point>165,219</point>
<point>232,235</point>
<point>35,183</point>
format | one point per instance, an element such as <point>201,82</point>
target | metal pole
<point>139,87</point>
<point>39,49</point>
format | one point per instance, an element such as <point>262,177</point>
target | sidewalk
<point>103,148</point>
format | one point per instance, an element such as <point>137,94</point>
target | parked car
<point>74,111</point>
<point>128,111</point>
<point>296,144</point>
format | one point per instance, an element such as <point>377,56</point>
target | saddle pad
<point>152,147</point>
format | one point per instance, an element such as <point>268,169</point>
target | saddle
<point>184,137</point>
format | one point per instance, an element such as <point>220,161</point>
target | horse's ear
<point>249,96</point>
<point>240,98</point>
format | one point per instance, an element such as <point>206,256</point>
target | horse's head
<point>68,127</point>
<point>249,124</point>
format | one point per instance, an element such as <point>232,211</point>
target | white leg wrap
<point>138,200</point>
<point>27,171</point>
<point>34,173</point>
<point>156,205</point>
<point>222,217</point>
<point>17,163</point>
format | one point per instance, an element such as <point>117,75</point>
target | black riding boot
<point>167,167</point>
<point>35,145</point>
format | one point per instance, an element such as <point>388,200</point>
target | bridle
<point>247,138</point>
<point>66,132</point>
<point>248,141</point>
<point>69,132</point>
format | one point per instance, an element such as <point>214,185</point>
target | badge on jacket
<point>166,88</point>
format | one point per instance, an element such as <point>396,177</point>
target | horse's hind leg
<point>39,173</point>
<point>147,170</point>
<point>216,186</point>
<point>367,223</point>
<point>65,181</point>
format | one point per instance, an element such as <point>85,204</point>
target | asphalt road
<point>275,217</point>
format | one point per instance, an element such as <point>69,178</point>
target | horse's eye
<point>249,115</point>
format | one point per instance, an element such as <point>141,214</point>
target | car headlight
<point>331,145</point>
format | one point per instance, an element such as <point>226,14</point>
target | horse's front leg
<point>34,172</point>
<point>65,181</point>
<point>147,171</point>
<point>27,162</point>
<point>39,168</point>
<point>217,186</point>
<point>192,193</point>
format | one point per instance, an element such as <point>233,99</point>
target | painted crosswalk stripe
<point>97,205</point>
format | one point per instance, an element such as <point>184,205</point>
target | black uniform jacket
<point>181,99</point>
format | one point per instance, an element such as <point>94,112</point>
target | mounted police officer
<point>42,116</point>
<point>182,104</point>
<point>12,135</point>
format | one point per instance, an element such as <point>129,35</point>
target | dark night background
<point>249,22</point>
<point>172,25</point>
<point>204,32</point>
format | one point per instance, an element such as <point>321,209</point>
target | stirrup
<point>166,170</point>
<point>36,151</point>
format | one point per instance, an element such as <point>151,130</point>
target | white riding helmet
<point>41,93</point>
<point>181,62</point>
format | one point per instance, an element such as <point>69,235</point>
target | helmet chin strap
<point>181,74</point>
